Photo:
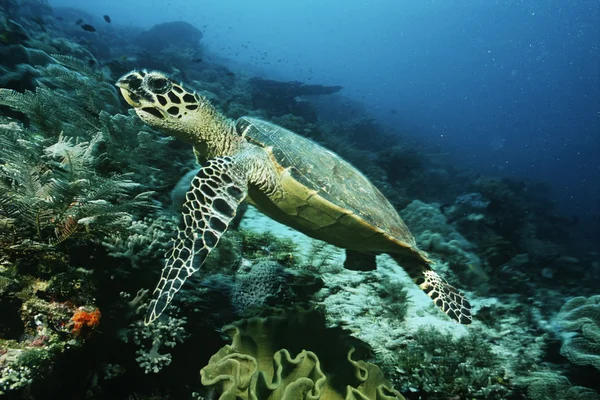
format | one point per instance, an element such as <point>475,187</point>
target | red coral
<point>84,319</point>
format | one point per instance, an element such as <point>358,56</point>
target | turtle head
<point>165,104</point>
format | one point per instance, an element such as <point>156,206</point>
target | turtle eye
<point>159,85</point>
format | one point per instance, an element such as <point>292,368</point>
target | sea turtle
<point>288,177</point>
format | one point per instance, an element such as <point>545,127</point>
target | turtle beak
<point>124,85</point>
<point>128,96</point>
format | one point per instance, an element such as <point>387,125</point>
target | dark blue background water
<point>504,87</point>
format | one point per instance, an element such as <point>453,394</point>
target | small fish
<point>106,18</point>
<point>79,22</point>
<point>88,27</point>
<point>229,73</point>
<point>197,60</point>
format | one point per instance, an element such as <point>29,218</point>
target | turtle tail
<point>445,296</point>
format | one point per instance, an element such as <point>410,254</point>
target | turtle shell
<point>334,180</point>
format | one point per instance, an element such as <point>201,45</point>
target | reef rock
<point>169,34</point>
<point>281,97</point>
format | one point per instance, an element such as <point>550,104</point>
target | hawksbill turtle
<point>288,177</point>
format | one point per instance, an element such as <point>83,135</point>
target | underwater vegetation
<point>88,209</point>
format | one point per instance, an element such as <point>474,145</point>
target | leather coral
<point>260,363</point>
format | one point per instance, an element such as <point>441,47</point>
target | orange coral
<point>84,319</point>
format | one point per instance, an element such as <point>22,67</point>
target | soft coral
<point>85,319</point>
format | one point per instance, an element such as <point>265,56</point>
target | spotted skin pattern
<point>445,296</point>
<point>211,204</point>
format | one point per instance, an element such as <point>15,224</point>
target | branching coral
<point>435,362</point>
<point>280,98</point>
<point>89,85</point>
<point>64,174</point>
<point>143,240</point>
<point>154,338</point>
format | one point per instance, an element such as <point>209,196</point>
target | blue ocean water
<point>510,88</point>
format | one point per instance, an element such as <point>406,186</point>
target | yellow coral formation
<point>258,365</point>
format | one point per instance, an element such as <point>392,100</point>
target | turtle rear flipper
<point>445,296</point>
<point>211,204</point>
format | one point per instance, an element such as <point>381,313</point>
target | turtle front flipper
<point>445,296</point>
<point>211,204</point>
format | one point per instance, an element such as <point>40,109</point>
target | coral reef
<point>88,204</point>
<point>50,329</point>
<point>280,98</point>
<point>64,191</point>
